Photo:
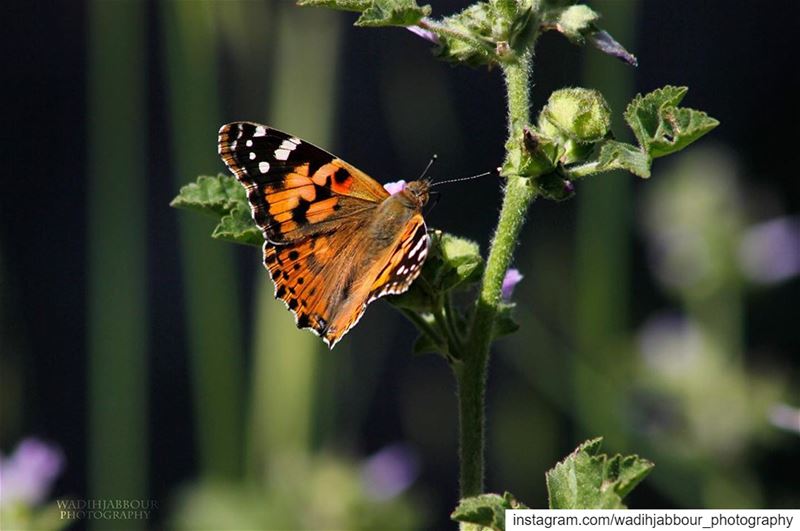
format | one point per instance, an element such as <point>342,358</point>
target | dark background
<point>393,106</point>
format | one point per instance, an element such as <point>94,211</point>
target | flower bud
<point>579,114</point>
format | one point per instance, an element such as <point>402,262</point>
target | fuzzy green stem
<point>471,373</point>
<point>445,30</point>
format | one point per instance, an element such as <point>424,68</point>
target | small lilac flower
<point>390,471</point>
<point>770,251</point>
<point>395,187</point>
<point>425,34</point>
<point>27,475</point>
<point>512,278</point>
<point>785,417</point>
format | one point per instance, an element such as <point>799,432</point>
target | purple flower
<point>770,251</point>
<point>425,34</point>
<point>27,475</point>
<point>785,417</point>
<point>390,471</point>
<point>395,187</point>
<point>512,278</point>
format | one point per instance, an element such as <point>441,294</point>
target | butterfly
<point>334,238</point>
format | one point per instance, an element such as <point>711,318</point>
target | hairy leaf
<point>238,226</point>
<point>536,155</point>
<point>477,23</point>
<point>554,186</point>
<point>345,5</point>
<point>621,156</point>
<point>587,479</point>
<point>660,126</point>
<point>222,197</point>
<point>462,261</point>
<point>375,13</point>
<point>211,195</point>
<point>504,322</point>
<point>393,13</point>
<point>487,510</point>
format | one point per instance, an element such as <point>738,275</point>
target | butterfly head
<point>415,194</point>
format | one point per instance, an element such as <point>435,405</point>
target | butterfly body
<point>335,239</point>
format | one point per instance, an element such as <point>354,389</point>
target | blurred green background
<point>661,315</point>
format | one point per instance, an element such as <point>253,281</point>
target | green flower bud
<point>579,114</point>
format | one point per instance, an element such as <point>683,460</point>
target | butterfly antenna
<point>428,167</point>
<point>484,174</point>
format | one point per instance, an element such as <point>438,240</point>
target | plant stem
<point>423,326</point>
<point>443,29</point>
<point>471,373</point>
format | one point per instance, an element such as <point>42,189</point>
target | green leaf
<point>238,227</point>
<point>425,344</point>
<point>393,13</point>
<point>462,262</point>
<point>477,22</point>
<point>344,5</point>
<point>660,126</point>
<point>376,13</point>
<point>211,195</point>
<point>504,323</point>
<point>523,29</point>
<point>223,197</point>
<point>487,510</point>
<point>554,186</point>
<point>587,479</point>
<point>621,156</point>
<point>536,155</point>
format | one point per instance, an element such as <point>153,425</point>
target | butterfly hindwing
<point>295,189</point>
<point>327,290</point>
<point>320,281</point>
<point>405,263</point>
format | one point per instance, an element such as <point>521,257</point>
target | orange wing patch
<point>317,280</point>
<point>295,270</point>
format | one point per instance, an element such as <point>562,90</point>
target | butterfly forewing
<point>295,189</point>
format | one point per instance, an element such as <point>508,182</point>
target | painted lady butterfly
<point>335,239</point>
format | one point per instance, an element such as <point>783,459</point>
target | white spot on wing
<point>252,155</point>
<point>421,244</point>
<point>263,167</point>
<point>288,145</point>
<point>295,140</point>
<point>282,154</point>
<point>249,143</point>
<point>260,131</point>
